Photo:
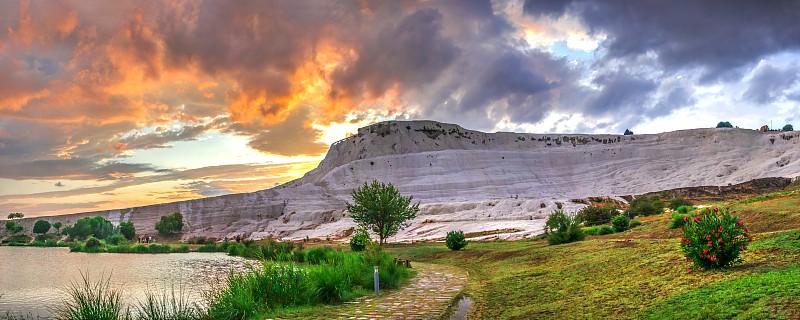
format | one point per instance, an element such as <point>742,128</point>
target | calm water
<point>34,280</point>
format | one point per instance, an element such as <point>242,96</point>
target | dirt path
<point>427,296</point>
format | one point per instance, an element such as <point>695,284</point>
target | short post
<point>377,280</point>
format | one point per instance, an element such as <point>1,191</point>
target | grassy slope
<point>636,274</point>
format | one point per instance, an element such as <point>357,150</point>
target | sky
<point>114,104</point>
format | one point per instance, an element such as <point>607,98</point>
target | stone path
<point>427,296</point>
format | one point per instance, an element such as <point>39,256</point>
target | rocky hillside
<point>476,181</point>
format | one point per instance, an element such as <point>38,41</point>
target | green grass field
<point>636,274</point>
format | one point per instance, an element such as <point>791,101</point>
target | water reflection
<point>34,280</point>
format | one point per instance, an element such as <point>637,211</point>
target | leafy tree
<point>646,206</point>
<point>620,223</point>
<point>724,124</point>
<point>628,132</point>
<point>788,127</point>
<point>85,227</point>
<point>562,228</point>
<point>13,227</point>
<point>592,216</point>
<point>170,224</point>
<point>128,230</point>
<point>41,227</point>
<point>455,240</point>
<point>15,215</point>
<point>57,225</point>
<point>380,207</point>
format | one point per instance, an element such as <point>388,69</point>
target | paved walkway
<point>427,296</point>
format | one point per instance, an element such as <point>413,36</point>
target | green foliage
<point>714,239</point>
<point>645,206</point>
<point>592,216</point>
<point>57,225</point>
<point>562,228</point>
<point>340,277</point>
<point>318,255</point>
<point>15,215</point>
<point>127,230</point>
<point>171,305</point>
<point>634,223</point>
<point>381,208</point>
<point>201,240</point>
<point>628,132</point>
<point>360,240</point>
<point>788,127</point>
<point>170,224</point>
<point>13,227</point>
<point>41,227</point>
<point>116,240</point>
<point>92,245</point>
<point>675,203</point>
<point>208,247</point>
<point>597,230</point>
<point>724,124</point>
<point>97,226</point>
<point>620,223</point>
<point>677,220</point>
<point>455,240</point>
<point>92,301</point>
<point>684,209</point>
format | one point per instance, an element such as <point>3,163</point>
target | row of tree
<point>98,227</point>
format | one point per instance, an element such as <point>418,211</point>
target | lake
<point>33,281</point>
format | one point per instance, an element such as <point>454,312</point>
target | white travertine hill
<point>474,181</point>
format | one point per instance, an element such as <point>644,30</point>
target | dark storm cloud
<point>674,99</point>
<point>411,54</point>
<point>769,82</point>
<point>621,91</point>
<point>721,37</point>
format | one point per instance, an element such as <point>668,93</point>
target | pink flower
<point>705,251</point>
<point>696,219</point>
<point>710,244</point>
<point>689,271</point>
<point>687,258</point>
<point>713,258</point>
<point>739,223</point>
<point>708,237</point>
<point>741,247</point>
<point>746,230</point>
<point>716,209</point>
<point>685,219</point>
<point>719,240</point>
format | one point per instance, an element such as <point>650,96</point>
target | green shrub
<point>208,247</point>
<point>645,206</point>
<point>13,227</point>
<point>562,228</point>
<point>620,223</point>
<point>605,229</point>
<point>127,230</point>
<point>634,223</point>
<point>714,239</point>
<point>41,227</point>
<point>592,216</point>
<point>140,248</point>
<point>179,249</point>
<point>597,230</point>
<point>455,240</point>
<point>201,240</point>
<point>674,203</point>
<point>299,255</point>
<point>317,255</point>
<point>92,243</point>
<point>96,226</point>
<point>677,220</point>
<point>684,209</point>
<point>170,224</point>
<point>116,240</point>
<point>360,240</point>
<point>158,248</point>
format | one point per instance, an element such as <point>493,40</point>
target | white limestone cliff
<point>474,181</point>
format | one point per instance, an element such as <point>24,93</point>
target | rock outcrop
<point>475,181</point>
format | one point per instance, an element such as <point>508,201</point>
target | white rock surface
<point>474,181</point>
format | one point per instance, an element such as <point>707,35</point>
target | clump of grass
<point>597,230</point>
<point>172,305</point>
<point>92,301</point>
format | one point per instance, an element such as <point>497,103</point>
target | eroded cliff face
<point>474,181</point>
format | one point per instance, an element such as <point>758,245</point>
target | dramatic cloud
<point>124,96</point>
<point>719,37</point>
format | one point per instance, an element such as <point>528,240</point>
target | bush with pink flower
<point>714,239</point>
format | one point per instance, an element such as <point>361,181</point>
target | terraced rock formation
<point>475,181</point>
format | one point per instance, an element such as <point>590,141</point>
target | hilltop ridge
<point>476,181</point>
